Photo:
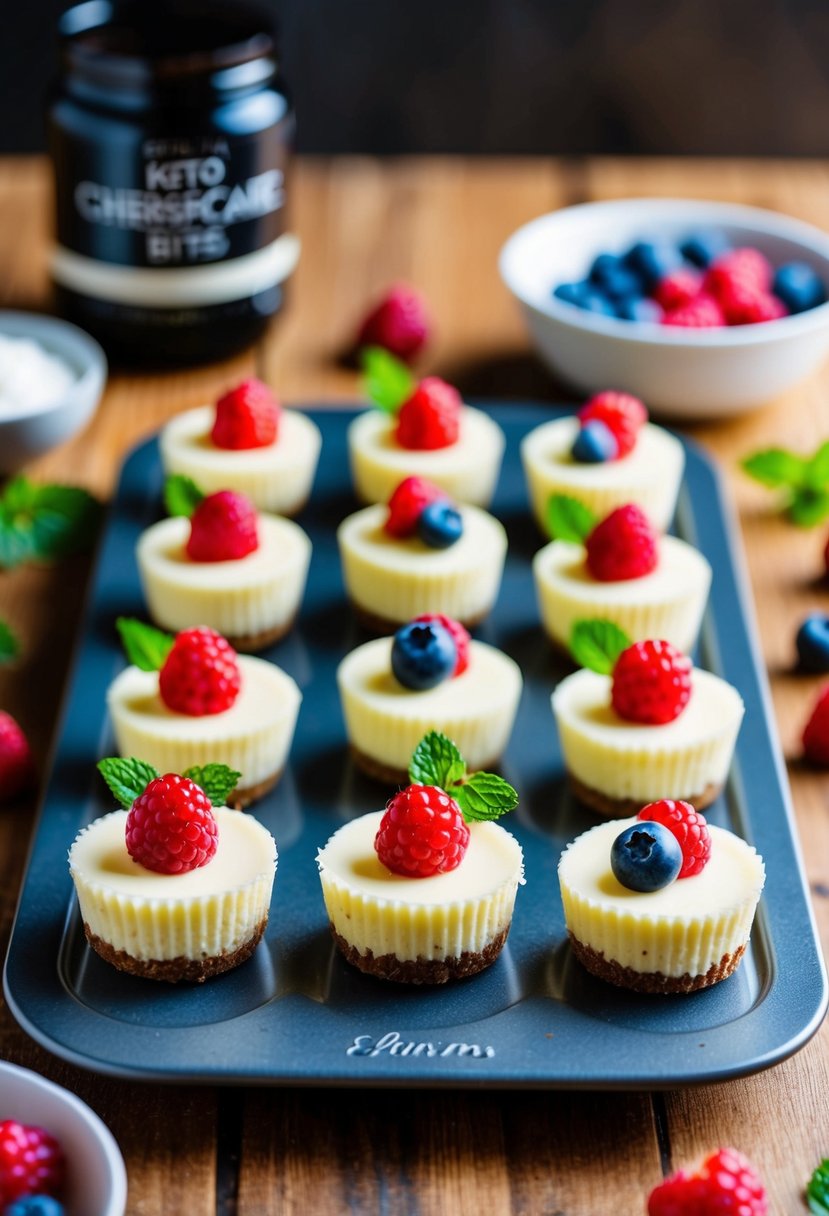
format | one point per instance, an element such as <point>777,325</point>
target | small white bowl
<point>96,1177</point>
<point>678,372</point>
<point>29,434</point>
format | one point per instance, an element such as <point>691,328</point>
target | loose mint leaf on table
<point>776,467</point>
<point>9,645</point>
<point>597,644</point>
<point>809,506</point>
<point>145,646</point>
<point>181,495</point>
<point>817,470</point>
<point>804,481</point>
<point>817,1191</point>
<point>44,522</point>
<point>437,761</point>
<point>217,780</point>
<point>569,519</point>
<point>127,777</point>
<point>388,382</point>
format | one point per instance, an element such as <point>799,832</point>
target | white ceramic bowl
<point>677,372</point>
<point>26,435</point>
<point>96,1177</point>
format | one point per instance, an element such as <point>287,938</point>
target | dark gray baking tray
<point>297,1013</point>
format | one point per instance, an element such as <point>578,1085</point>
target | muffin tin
<point>297,1013</point>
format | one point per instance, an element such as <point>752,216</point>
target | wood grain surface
<point>438,223</point>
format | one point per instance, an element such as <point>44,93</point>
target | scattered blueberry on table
<point>702,282</point>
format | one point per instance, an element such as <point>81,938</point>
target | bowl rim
<point>650,333</point>
<point>116,1168</point>
<point>90,361</point>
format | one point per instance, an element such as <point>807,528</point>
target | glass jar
<point>170,135</point>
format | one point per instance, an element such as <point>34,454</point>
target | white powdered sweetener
<point>31,379</point>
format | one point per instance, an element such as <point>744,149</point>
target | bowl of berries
<point>56,1156</point>
<point>702,309</point>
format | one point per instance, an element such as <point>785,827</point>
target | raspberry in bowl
<point>682,370</point>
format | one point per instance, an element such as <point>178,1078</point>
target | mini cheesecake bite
<point>246,442</point>
<point>421,893</point>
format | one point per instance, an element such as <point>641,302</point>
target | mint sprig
<point>569,519</point>
<point>45,522</point>
<point>127,777</point>
<point>481,796</point>
<point>388,382</point>
<point>817,1190</point>
<point>9,645</point>
<point>145,646</point>
<point>217,780</point>
<point>597,644</point>
<point>181,495</point>
<point>804,481</point>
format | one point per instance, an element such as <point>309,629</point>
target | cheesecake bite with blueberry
<point>246,442</point>
<point>191,700</point>
<point>662,902</point>
<point>640,723</point>
<point>424,892</point>
<point>174,886</point>
<point>421,553</point>
<point>607,455</point>
<point>219,562</point>
<point>421,429</point>
<point>429,676</point>
<point>619,569</point>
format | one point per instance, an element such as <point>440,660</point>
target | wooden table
<point>438,223</point>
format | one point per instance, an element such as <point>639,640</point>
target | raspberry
<point>745,304</point>
<point>690,829</point>
<point>223,528</point>
<point>407,502</point>
<point>739,267</point>
<point>431,417</point>
<point>678,288</point>
<point>246,417</point>
<point>726,1184</point>
<point>200,674</point>
<point>621,413</point>
<point>703,312</point>
<point>421,833</point>
<point>31,1161</point>
<point>400,323</point>
<point>460,636</point>
<point>816,731</point>
<point>171,827</point>
<point>17,770</point>
<point>651,683</point>
<point>622,546</point>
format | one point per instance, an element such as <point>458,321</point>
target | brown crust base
<point>176,970</point>
<point>396,776</point>
<point>244,795</point>
<point>618,808</point>
<point>382,624</point>
<point>422,970</point>
<point>652,981</point>
<point>249,643</point>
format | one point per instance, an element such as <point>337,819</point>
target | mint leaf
<point>817,468</point>
<point>217,781</point>
<point>145,646</point>
<point>485,796</point>
<point>569,519</point>
<point>776,467</point>
<point>45,521</point>
<point>127,777</point>
<point>817,1190</point>
<point>597,644</point>
<point>181,495</point>
<point>9,645</point>
<point>436,761</point>
<point>808,506</point>
<point>388,382</point>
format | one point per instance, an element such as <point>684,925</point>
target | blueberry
<point>621,284</point>
<point>652,261</point>
<point>596,302</point>
<point>595,443</point>
<point>813,643</point>
<point>703,247</point>
<point>584,295</point>
<point>35,1205</point>
<point>646,857</point>
<point>440,524</point>
<point>423,653</point>
<point>799,287</point>
<point>639,309</point>
<point>605,265</point>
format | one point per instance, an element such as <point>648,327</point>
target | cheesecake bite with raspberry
<point>423,892</point>
<point>421,553</point>
<point>175,886</point>
<point>605,456</point>
<point>643,724</point>
<point>219,562</point>
<point>191,700</point>
<point>620,569</point>
<point>421,429</point>
<point>246,442</point>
